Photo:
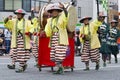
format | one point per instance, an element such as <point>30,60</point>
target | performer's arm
<point>64,9</point>
<point>8,24</point>
<point>32,13</point>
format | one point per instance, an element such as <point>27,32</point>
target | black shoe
<point>97,67</point>
<point>24,67</point>
<point>19,70</point>
<point>11,66</point>
<point>87,69</point>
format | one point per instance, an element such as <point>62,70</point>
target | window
<point>1,5</point>
<point>8,4</point>
<point>79,12</point>
<point>37,4</point>
<point>17,4</point>
<point>13,4</point>
<point>27,5</point>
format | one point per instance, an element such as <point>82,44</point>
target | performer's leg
<point>97,65</point>
<point>52,50</point>
<point>22,66</point>
<point>104,58</point>
<point>87,66</point>
<point>60,55</point>
<point>22,56</point>
<point>60,69</point>
<point>115,56</point>
<point>95,57</point>
<point>109,58</point>
<point>13,55</point>
<point>35,53</point>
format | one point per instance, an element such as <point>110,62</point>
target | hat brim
<point>102,16</point>
<point>114,22</point>
<point>19,13</point>
<point>89,18</point>
<point>50,10</point>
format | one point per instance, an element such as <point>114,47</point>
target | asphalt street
<point>110,72</point>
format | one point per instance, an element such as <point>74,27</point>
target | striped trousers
<point>57,52</point>
<point>35,51</point>
<point>19,54</point>
<point>89,54</point>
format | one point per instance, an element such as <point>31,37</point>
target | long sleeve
<point>95,43</point>
<point>94,26</point>
<point>63,20</point>
<point>81,32</point>
<point>48,30</point>
<point>9,24</point>
<point>35,26</point>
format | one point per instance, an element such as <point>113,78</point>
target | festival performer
<point>20,43</point>
<point>56,30</point>
<point>113,35</point>
<point>102,31</point>
<point>36,33</point>
<point>90,41</point>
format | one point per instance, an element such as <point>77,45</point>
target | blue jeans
<point>7,45</point>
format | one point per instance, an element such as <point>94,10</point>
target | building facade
<point>8,6</point>
<point>83,8</point>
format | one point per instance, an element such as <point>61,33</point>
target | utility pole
<point>97,7</point>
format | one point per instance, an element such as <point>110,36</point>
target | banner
<point>105,4</point>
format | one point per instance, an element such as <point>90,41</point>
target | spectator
<point>1,42</point>
<point>7,40</point>
<point>77,44</point>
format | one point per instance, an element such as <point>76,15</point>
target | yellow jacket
<point>61,23</point>
<point>94,41</point>
<point>36,26</point>
<point>35,30</point>
<point>14,27</point>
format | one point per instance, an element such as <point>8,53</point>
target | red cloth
<point>27,33</point>
<point>44,53</point>
<point>42,34</point>
<point>118,40</point>
<point>69,61</point>
<point>35,34</point>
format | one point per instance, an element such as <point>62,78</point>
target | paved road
<point>111,72</point>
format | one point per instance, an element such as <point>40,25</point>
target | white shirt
<point>7,34</point>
